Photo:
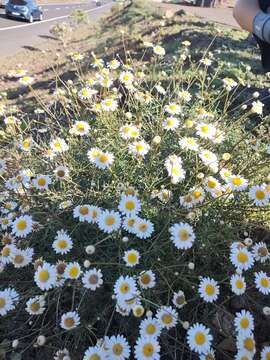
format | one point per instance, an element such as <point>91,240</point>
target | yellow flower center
<point>73,272</point>
<point>5,251</point>
<point>117,349</point>
<point>44,276</point>
<point>211,184</point>
<point>197,194</point>
<point>41,182</point>
<point>132,258</point>
<point>94,357</point>
<point>263,251</point>
<point>62,244</point>
<point>84,92</point>
<point>242,257</point>
<point>103,158</point>
<point>21,225</point>
<point>26,144</point>
<point>60,173</point>
<point>151,329</point>
<point>265,282</point>
<point>80,127</point>
<point>124,288</point>
<point>110,220</point>
<point>200,338</point>
<point>139,147</point>
<point>249,344</point>
<point>237,181</point>
<point>131,222</point>
<point>126,77</point>
<point>210,289</point>
<point>130,205</point>
<point>244,323</point>
<point>69,322</point>
<point>2,303</point>
<point>205,129</point>
<point>35,307</point>
<point>143,227</point>
<point>18,259</point>
<point>183,235</point>
<point>176,171</point>
<point>260,195</point>
<point>239,284</point>
<point>83,210</point>
<point>167,319</point>
<point>145,279</point>
<point>148,350</point>
<point>267,355</point>
<point>188,198</point>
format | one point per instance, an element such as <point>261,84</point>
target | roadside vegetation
<point>135,194</point>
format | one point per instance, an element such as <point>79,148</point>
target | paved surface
<point>220,15</point>
<point>16,34</point>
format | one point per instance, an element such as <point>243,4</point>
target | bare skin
<point>244,13</point>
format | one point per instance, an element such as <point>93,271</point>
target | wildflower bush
<point>130,209</point>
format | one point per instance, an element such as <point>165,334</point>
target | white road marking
<point>57,9</point>
<point>53,19</point>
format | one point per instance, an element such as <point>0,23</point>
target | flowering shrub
<point>128,211</point>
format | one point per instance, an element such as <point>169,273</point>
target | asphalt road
<point>16,34</point>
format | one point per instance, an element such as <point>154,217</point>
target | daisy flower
<point>257,107</point>
<point>186,201</point>
<point>61,172</point>
<point>244,322</point>
<point>114,64</point>
<point>238,284</point>
<point>244,355</point>
<point>129,205</point>
<point>260,252</point>
<point>129,132</point>
<point>42,182</point>
<point>199,338</point>
<point>245,341</point>
<point>259,195</point>
<point>125,288</point>
<point>139,148</point>
<point>211,184</point>
<point>189,143</point>
<point>143,228</point>
<point>109,105</point>
<point>109,221</point>
<point>205,131</point>
<point>208,289</point>
<point>118,348</point>
<point>150,328</point>
<point>171,123</point>
<point>59,145</point>
<point>26,80</point>
<point>126,78</point>
<point>129,224</point>
<point>198,195</point>
<point>265,353</point>
<point>159,50</point>
<point>83,212</point>
<point>241,258</point>
<point>80,128</point>
<point>94,353</point>
<point>262,282</point>
<point>8,297</point>
<point>26,144</point>
<point>21,258</point>
<point>147,348</point>
<point>131,258</point>
<point>184,95</point>
<point>209,355</point>
<point>86,93</point>
<point>104,160</point>
<point>238,183</point>
<point>179,299</point>
<point>22,226</point>
<point>35,305</point>
<point>45,276</point>
<point>208,157</point>
<point>6,251</point>
<point>92,279</point>
<point>147,279</point>
<point>225,174</point>
<point>173,109</point>
<point>182,235</point>
<point>62,243</point>
<point>70,320</point>
<point>173,164</point>
<point>167,317</point>
<point>72,271</point>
